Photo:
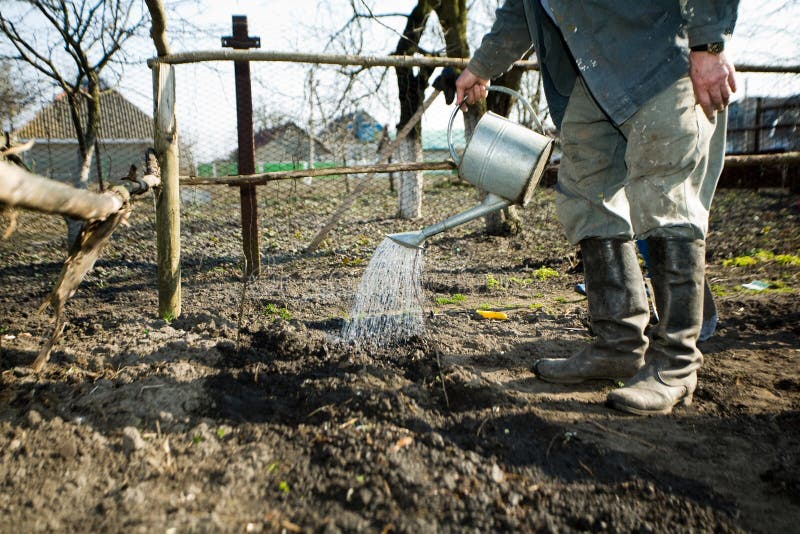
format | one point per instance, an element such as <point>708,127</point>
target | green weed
<point>453,299</point>
<point>273,312</point>
<point>762,256</point>
<point>492,282</point>
<point>719,290</point>
<point>543,273</point>
<point>787,259</point>
<point>739,261</point>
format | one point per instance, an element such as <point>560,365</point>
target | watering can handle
<point>499,89</point>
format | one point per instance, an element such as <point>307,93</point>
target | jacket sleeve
<point>507,41</point>
<point>709,21</point>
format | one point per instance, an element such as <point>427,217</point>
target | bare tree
<point>73,43</point>
<point>13,98</point>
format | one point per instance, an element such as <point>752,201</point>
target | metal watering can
<point>502,157</point>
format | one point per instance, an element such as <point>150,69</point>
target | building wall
<point>61,161</point>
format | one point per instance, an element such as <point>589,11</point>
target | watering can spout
<point>503,158</point>
<point>489,205</point>
<point>408,239</point>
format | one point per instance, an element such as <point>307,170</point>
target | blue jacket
<point>627,51</point>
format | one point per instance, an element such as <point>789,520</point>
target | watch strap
<point>712,48</point>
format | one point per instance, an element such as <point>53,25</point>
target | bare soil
<point>246,414</point>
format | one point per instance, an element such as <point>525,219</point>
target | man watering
<point>639,91</point>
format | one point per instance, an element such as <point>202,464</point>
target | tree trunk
<point>411,92</point>
<point>409,193</point>
<point>81,182</point>
<point>87,139</point>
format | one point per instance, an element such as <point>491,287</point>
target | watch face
<point>716,48</point>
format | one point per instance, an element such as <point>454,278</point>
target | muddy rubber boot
<point>670,375</point>
<point>619,313</point>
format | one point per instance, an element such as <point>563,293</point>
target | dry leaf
<point>403,443</point>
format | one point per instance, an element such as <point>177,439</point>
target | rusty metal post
<point>244,118</point>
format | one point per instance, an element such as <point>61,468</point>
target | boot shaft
<point>677,271</point>
<point>615,290</point>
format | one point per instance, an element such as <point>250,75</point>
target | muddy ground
<point>246,414</point>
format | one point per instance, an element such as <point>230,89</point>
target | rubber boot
<point>619,313</point>
<point>670,374</point>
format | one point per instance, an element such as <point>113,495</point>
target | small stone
<point>14,445</point>
<point>67,449</point>
<point>497,474</point>
<point>437,440</point>
<point>131,440</point>
<point>34,418</point>
<point>365,496</point>
<point>449,480</point>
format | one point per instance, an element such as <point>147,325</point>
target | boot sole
<point>685,401</point>
<point>568,381</point>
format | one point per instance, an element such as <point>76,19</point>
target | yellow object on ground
<point>486,314</point>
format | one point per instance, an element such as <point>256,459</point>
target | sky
<point>763,36</point>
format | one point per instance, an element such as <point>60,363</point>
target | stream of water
<point>388,305</point>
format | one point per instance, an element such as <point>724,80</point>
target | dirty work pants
<point>652,176</point>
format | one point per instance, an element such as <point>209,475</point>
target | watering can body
<point>502,157</point>
<point>505,158</point>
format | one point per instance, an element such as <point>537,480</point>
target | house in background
<point>355,138</point>
<point>759,125</point>
<point>282,148</point>
<point>287,147</point>
<point>124,135</point>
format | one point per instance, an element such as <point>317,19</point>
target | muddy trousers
<point>653,175</point>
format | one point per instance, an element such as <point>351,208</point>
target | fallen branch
<point>90,243</point>
<point>17,149</point>
<point>21,188</point>
<point>103,212</point>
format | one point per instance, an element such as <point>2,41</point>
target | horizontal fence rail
<point>265,177</point>
<point>200,56</point>
<point>377,61</point>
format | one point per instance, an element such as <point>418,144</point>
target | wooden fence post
<point>246,159</point>
<point>168,208</point>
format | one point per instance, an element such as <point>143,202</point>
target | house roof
<point>359,125</point>
<point>119,119</point>
<point>288,135</point>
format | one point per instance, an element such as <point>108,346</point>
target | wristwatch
<point>711,48</point>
